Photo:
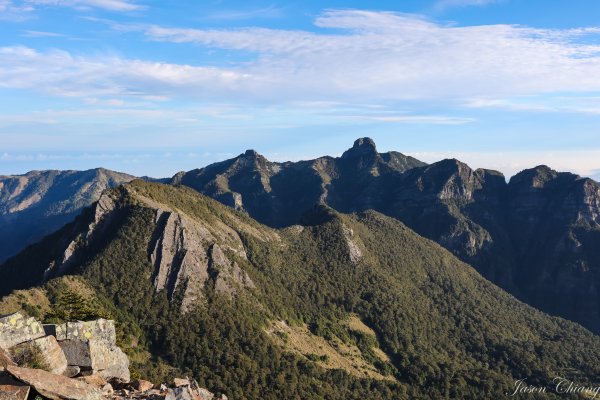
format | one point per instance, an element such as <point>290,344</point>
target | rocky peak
<point>536,177</point>
<point>363,147</point>
<point>252,153</point>
<point>450,179</point>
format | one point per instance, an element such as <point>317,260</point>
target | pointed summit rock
<point>362,147</point>
<point>252,153</point>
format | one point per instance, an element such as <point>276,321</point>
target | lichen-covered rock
<point>92,345</point>
<point>16,329</point>
<point>103,358</point>
<point>100,330</point>
<point>59,331</point>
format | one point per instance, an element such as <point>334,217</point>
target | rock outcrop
<point>278,194</point>
<point>186,254</point>
<point>66,349</point>
<point>89,348</point>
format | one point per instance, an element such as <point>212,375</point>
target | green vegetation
<point>29,355</point>
<point>447,332</point>
<point>72,306</point>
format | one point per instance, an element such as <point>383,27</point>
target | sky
<point>152,87</point>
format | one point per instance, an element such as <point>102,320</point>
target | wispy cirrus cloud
<point>445,4</point>
<point>9,11</point>
<point>368,57</point>
<point>269,12</point>
<point>112,5</point>
<point>18,10</point>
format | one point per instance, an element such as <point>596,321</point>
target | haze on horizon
<point>152,88</point>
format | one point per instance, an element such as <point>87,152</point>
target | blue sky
<point>153,87</point>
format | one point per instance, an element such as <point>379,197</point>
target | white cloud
<point>367,57</point>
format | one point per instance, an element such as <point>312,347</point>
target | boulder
<point>204,394</point>
<point>16,329</point>
<point>92,345</point>
<point>11,389</point>
<point>55,387</point>
<point>59,331</point>
<point>93,380</point>
<point>141,385</point>
<point>100,330</point>
<point>101,357</point>
<point>5,360</point>
<point>181,393</point>
<point>181,382</point>
<point>50,352</point>
<point>71,371</point>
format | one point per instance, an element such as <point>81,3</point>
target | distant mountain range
<point>40,202</point>
<point>341,306</point>
<point>537,235</point>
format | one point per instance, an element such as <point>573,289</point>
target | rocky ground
<point>75,361</point>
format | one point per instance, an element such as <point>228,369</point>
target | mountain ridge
<point>481,217</point>
<point>445,330</point>
<point>534,235</point>
<point>37,203</point>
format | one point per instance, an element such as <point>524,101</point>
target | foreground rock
<point>82,362</point>
<point>50,353</point>
<point>55,387</point>
<point>16,329</point>
<point>92,347</point>
<point>11,389</point>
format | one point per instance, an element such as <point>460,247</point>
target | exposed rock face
<point>39,202</point>
<point>537,236</point>
<point>186,255</point>
<point>16,329</point>
<point>354,252</point>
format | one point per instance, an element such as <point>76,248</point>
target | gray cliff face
<point>39,202</point>
<point>188,254</point>
<point>537,236</point>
